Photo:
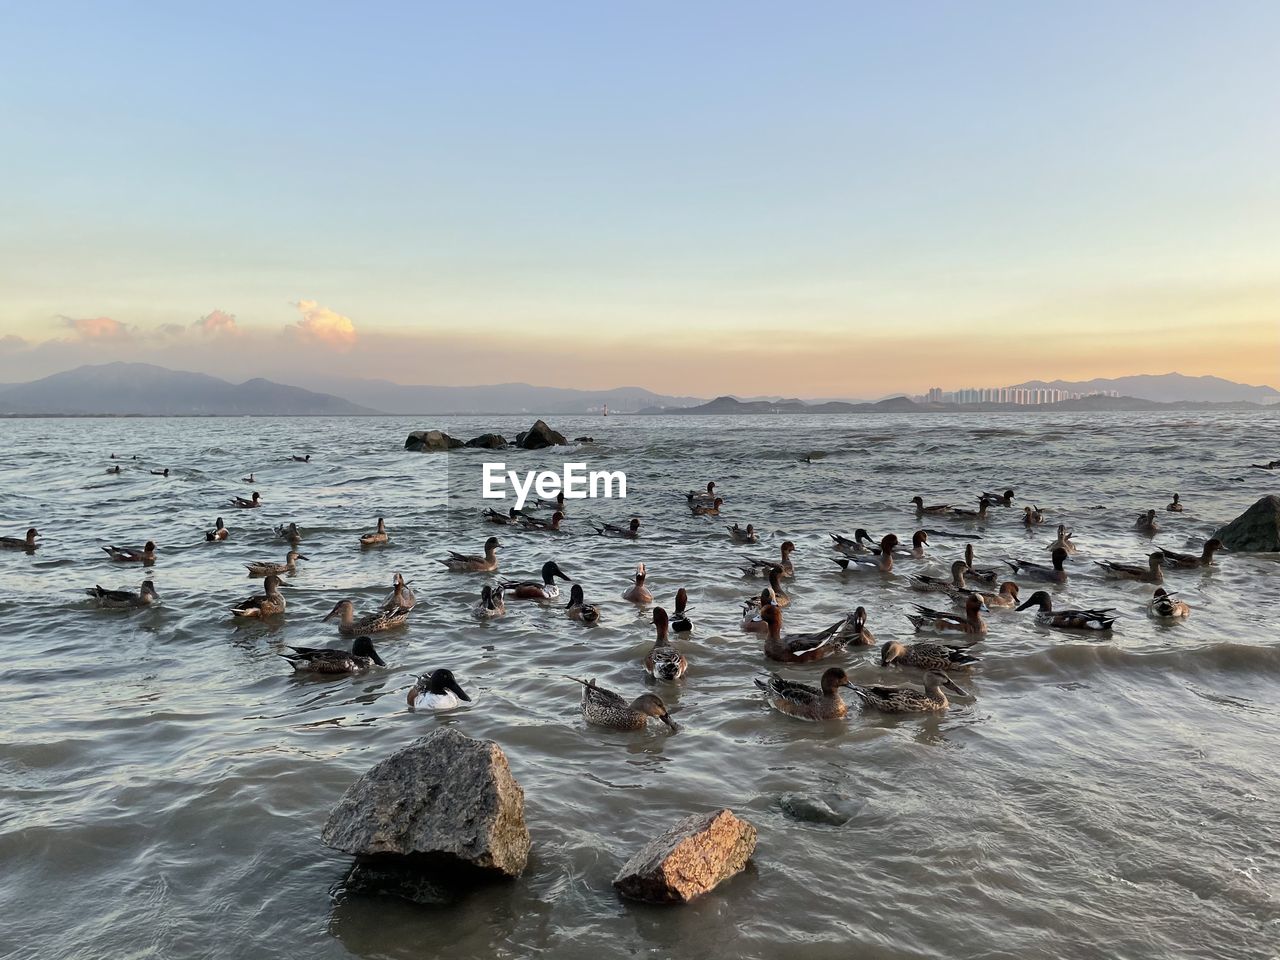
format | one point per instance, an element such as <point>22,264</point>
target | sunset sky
<point>817,199</point>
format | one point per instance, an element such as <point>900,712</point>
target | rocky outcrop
<point>1257,530</point>
<point>424,440</point>
<point>444,799</point>
<point>488,441</point>
<point>689,859</point>
<point>539,436</point>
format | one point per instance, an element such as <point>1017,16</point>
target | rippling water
<point>165,778</point>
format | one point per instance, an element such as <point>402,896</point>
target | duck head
<point>1040,600</point>
<point>934,681</point>
<point>772,616</point>
<point>149,590</point>
<point>576,596</point>
<point>919,539</point>
<point>661,621</point>
<point>491,545</point>
<point>651,705</point>
<point>338,608</point>
<point>550,570</point>
<point>1059,557</point>
<point>888,542</point>
<point>682,600</point>
<point>635,524</point>
<point>891,651</point>
<point>833,679</point>
<point>363,647</point>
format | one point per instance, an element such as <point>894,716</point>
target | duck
<point>490,605</point>
<point>1068,619</point>
<point>970,624</point>
<point>1175,505</point>
<point>470,563</point>
<point>1006,598</point>
<point>981,574</point>
<point>378,537</point>
<point>545,526</point>
<point>801,647</point>
<point>638,592</point>
<point>553,503</point>
<point>932,699</point>
<point>919,540</point>
<point>664,661</point>
<point>856,633</point>
<point>437,690</point>
<point>269,603</point>
<point>218,533</point>
<point>115,469</point>
<point>303,459</point>
<point>937,657</point>
<point>1038,571</point>
<point>712,509</point>
<point>510,518</point>
<point>760,567</point>
<point>707,495</point>
<point>604,708</point>
<point>1032,516</point>
<point>927,584</point>
<point>251,503</point>
<point>27,543</point>
<point>290,532</point>
<point>350,624</point>
<point>979,514</point>
<point>146,556</point>
<point>745,534</point>
<point>882,561</point>
<point>999,499</point>
<point>1146,523</point>
<point>861,542</point>
<point>630,532</point>
<point>358,659</point>
<point>1167,606</point>
<point>160,473</point>
<point>936,509</point>
<point>578,609</point>
<point>680,622</point>
<point>263,567</point>
<point>1064,541</point>
<point>145,596</point>
<point>1184,561</point>
<point>532,589</point>
<point>249,478</point>
<point>752,621</point>
<point>1153,572</point>
<point>804,702</point>
<point>400,597</point>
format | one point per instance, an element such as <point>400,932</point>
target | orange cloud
<point>97,328</point>
<point>323,326</point>
<point>217,322</point>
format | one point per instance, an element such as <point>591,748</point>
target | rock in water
<point>813,809</point>
<point>422,440</point>
<point>690,858</point>
<point>539,436</point>
<point>1257,530</point>
<point>488,441</point>
<point>446,798</point>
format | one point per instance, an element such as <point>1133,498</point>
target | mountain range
<point>1166,388</point>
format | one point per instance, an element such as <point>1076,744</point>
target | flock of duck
<point>957,623</point>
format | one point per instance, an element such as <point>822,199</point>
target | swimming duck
<point>1167,606</point>
<point>711,509</point>
<point>604,708</point>
<point>752,622</point>
<point>146,556</point>
<point>760,567</point>
<point>512,516</point>
<point>249,479</point>
<point>801,647</point>
<point>491,604</point>
<point>304,459</point>
<point>546,526</point>
<point>377,538</point>
<point>269,603</point>
<point>937,657</point>
<point>706,496</point>
<point>981,574</point>
<point>979,514</point>
<point>1146,523</point>
<point>350,624</point>
<point>919,540</point>
<point>939,621</point>
<point>934,510</point>
<point>680,623</point>
<point>437,690</point>
<point>638,592</point>
<point>908,699</point>
<point>532,589</point>
<point>263,568</point>
<point>743,534</point>
<point>856,633</point>
<point>804,702</point>
<point>999,499</point>
<point>578,609</point>
<point>664,661</point>
<point>1068,619</point>
<point>556,504</point>
<point>250,504</point>
<point>1064,541</point>
<point>125,598</point>
<point>1032,516</point>
<point>1038,571</point>
<point>882,561</point>
<point>1176,505</point>
<point>470,563</point>
<point>115,469</point>
<point>27,543</point>
<point>218,533</point>
<point>1006,598</point>
<point>358,659</point>
<point>160,473</point>
<point>289,532</point>
<point>1184,561</point>
<point>1153,572</point>
<point>861,542</point>
<point>400,597</point>
<point>927,584</point>
<point>629,532</point>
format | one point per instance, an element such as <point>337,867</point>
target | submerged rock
<point>584,439</point>
<point>689,859</point>
<point>488,441</point>
<point>539,436</point>
<point>444,799</point>
<point>814,809</point>
<point>1257,530</point>
<point>423,440</point>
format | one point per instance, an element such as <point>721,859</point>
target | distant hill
<point>1166,388</point>
<point>143,389</point>
<point>731,406</point>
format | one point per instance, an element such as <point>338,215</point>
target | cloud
<point>217,322</point>
<point>323,326</point>
<point>11,343</point>
<point>97,328</point>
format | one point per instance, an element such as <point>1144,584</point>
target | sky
<point>817,199</point>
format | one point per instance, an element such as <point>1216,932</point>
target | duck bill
<point>671,724</point>
<point>302,557</point>
<point>377,659</point>
<point>462,694</point>
<point>955,688</point>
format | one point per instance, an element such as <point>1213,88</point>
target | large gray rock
<point>1257,530</point>
<point>689,859</point>
<point>488,441</point>
<point>444,798</point>
<point>539,436</point>
<point>424,440</point>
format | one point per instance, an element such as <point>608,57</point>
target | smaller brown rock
<point>689,859</point>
